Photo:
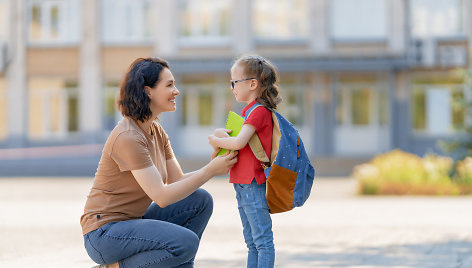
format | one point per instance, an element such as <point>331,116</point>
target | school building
<point>358,78</point>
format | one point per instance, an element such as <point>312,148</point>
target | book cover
<point>235,123</point>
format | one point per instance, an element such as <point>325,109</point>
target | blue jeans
<point>257,224</point>
<point>165,237</point>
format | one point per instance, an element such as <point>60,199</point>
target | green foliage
<point>463,175</point>
<point>461,146</point>
<point>401,173</point>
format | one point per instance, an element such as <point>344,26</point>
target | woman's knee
<point>188,247</point>
<point>93,253</point>
<point>204,198</point>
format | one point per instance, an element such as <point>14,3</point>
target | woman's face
<point>163,94</point>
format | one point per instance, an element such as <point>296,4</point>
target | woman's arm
<point>174,171</point>
<point>234,143</point>
<point>162,194</point>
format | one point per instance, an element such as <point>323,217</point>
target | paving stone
<point>39,227</point>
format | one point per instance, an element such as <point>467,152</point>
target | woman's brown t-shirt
<point>115,194</point>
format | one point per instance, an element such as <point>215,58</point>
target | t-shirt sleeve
<point>164,141</point>
<point>259,118</point>
<point>130,152</point>
<point>168,148</point>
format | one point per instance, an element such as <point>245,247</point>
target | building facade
<point>358,78</point>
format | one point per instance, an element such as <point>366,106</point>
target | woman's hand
<point>221,165</point>
<point>215,152</point>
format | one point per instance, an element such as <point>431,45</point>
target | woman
<point>122,227</point>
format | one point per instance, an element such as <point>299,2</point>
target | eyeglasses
<point>237,81</point>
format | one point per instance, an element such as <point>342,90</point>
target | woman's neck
<point>146,125</point>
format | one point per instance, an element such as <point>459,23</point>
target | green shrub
<point>401,173</point>
<point>463,175</point>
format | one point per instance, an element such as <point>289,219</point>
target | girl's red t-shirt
<point>248,167</point>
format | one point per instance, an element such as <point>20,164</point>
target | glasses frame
<point>233,83</point>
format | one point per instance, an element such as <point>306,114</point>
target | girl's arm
<point>234,143</point>
<point>163,195</point>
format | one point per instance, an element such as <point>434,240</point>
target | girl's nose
<point>176,91</point>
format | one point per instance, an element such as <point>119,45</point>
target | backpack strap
<point>255,142</point>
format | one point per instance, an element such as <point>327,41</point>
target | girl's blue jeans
<point>257,224</point>
<point>164,237</point>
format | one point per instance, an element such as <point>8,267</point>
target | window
<point>4,33</point>
<point>111,115</point>
<point>205,101</point>
<point>53,107</point>
<point>204,20</point>
<point>354,105</point>
<point>439,18</point>
<point>362,114</point>
<point>293,105</point>
<point>362,101</point>
<point>198,104</point>
<point>3,109</point>
<point>53,21</point>
<point>359,19</point>
<point>126,21</point>
<point>280,19</point>
<point>435,99</point>
<point>435,110</point>
<point>3,21</point>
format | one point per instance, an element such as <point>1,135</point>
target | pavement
<point>39,227</point>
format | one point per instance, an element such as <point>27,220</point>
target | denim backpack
<point>288,170</point>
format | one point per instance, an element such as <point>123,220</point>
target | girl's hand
<point>221,164</point>
<point>212,141</point>
<point>221,132</point>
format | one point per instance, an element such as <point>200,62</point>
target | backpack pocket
<point>280,186</point>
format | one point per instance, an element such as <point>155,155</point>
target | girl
<point>121,225</point>
<point>253,79</point>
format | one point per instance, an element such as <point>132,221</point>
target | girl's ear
<point>254,84</point>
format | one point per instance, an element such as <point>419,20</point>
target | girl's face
<point>244,90</point>
<point>163,94</point>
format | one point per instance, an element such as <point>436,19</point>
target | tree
<point>461,146</point>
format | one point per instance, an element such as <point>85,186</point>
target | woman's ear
<point>148,90</point>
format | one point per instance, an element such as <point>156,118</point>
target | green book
<point>235,123</point>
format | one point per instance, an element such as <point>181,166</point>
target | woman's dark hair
<point>265,72</point>
<point>134,101</point>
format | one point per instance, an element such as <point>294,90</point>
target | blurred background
<point>358,78</point>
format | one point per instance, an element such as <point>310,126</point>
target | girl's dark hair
<point>133,100</point>
<point>265,72</point>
